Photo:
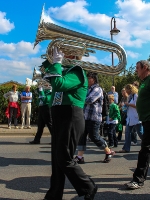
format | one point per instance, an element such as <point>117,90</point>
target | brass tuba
<point>78,44</point>
<point>38,77</point>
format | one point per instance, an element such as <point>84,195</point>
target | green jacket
<point>69,87</point>
<point>44,97</point>
<point>114,112</point>
<point>143,100</point>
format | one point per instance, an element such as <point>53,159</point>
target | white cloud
<point>5,25</point>
<point>134,26</point>
<point>132,18</point>
<point>136,13</point>
<point>132,54</point>
<point>106,60</point>
<point>16,68</point>
<point>20,49</point>
<point>92,59</point>
<point>73,14</point>
<point>81,15</point>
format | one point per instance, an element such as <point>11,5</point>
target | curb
<point>4,131</point>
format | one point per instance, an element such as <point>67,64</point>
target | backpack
<point>105,106</point>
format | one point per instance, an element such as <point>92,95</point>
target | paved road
<point>25,170</point>
<point>20,132</point>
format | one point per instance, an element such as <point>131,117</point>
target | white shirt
<point>132,115</point>
<point>12,96</point>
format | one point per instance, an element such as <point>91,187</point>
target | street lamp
<point>113,31</point>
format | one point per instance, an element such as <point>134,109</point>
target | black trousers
<point>140,173</point>
<point>68,126</point>
<point>12,113</point>
<point>44,118</point>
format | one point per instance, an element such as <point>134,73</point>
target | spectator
<point>112,120</point>
<point>136,84</point>
<point>93,118</point>
<point>13,108</point>
<point>143,109</point>
<point>26,99</point>
<point>132,117</point>
<point>123,112</point>
<point>44,114</point>
<point>114,93</point>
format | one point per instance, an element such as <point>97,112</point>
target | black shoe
<point>91,195</point>
<point>34,142</point>
<point>108,157</point>
<point>79,160</point>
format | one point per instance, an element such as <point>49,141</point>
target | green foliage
<point>4,104</point>
<point>126,77</point>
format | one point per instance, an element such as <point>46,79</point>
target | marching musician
<point>68,98</point>
<point>44,110</point>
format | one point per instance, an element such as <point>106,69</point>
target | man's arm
<point>26,97</point>
<point>94,95</point>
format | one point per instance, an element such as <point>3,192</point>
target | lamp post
<point>113,31</point>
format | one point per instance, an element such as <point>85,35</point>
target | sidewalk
<point>4,131</point>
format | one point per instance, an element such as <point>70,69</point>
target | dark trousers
<point>44,118</point>
<point>12,112</point>
<point>119,135</point>
<point>92,128</point>
<point>68,126</point>
<point>112,138</point>
<point>134,135</point>
<point>140,173</point>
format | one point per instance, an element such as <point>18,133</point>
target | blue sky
<point>19,21</point>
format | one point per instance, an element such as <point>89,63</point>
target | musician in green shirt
<point>68,97</point>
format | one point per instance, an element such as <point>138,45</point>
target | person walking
<point>113,119</point>
<point>132,118</point>
<point>143,109</point>
<point>44,113</point>
<point>26,99</point>
<point>93,119</point>
<point>13,109</point>
<point>69,89</point>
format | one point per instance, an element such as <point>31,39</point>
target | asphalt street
<point>25,170</point>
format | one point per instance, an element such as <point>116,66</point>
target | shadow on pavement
<point>28,184</point>
<point>24,143</point>
<point>117,196</point>
<point>22,161</point>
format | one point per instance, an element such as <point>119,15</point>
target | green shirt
<point>143,100</point>
<point>114,112</point>
<point>69,87</point>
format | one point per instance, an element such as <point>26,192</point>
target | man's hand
<point>57,55</point>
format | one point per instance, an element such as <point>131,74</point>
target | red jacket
<point>14,105</point>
